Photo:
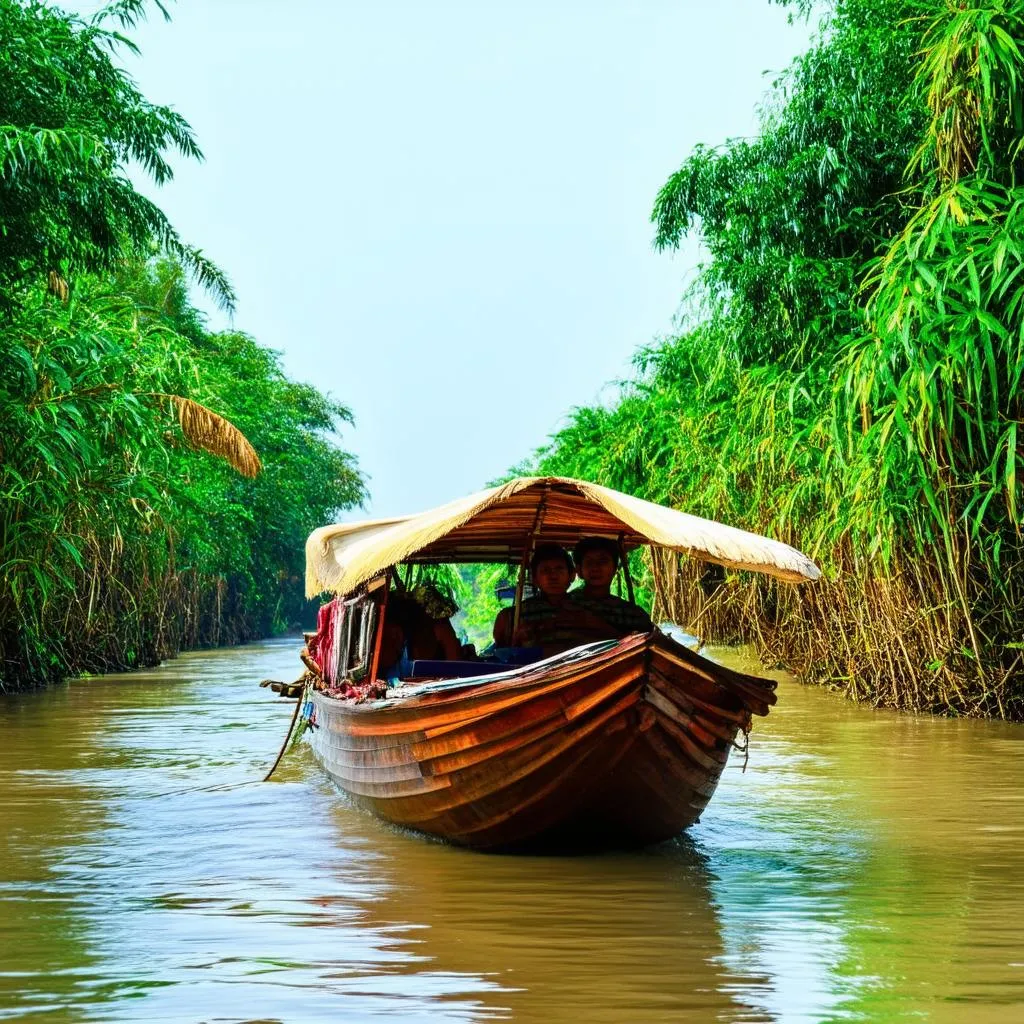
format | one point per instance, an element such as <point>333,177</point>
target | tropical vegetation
<point>157,479</point>
<point>847,372</point>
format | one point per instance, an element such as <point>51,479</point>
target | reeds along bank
<point>849,379</point>
<point>122,538</point>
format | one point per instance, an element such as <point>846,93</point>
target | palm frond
<point>56,284</point>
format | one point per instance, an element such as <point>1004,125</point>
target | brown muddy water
<point>866,867</point>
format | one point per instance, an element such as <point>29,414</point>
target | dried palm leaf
<point>212,433</point>
<point>57,285</point>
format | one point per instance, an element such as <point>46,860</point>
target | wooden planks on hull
<point>471,717</point>
<point>473,778</point>
<point>628,743</point>
<point>535,804</point>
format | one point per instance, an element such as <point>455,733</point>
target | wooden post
<point>381,615</point>
<point>661,600</point>
<point>528,546</point>
<point>520,583</point>
<point>624,562</point>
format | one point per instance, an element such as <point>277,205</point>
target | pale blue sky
<point>439,212</point>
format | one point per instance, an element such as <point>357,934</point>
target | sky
<point>439,212</point>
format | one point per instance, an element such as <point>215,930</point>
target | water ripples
<point>866,867</point>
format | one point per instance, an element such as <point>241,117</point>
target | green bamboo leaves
<point>119,543</point>
<point>849,378</point>
<point>71,123</point>
<point>124,535</point>
<point>970,73</point>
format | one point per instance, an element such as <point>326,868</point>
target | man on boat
<point>556,619</point>
<point>596,561</point>
<point>540,616</point>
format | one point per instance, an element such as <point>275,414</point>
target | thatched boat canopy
<point>501,523</point>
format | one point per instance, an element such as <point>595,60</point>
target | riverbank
<point>846,375</point>
<point>158,479</point>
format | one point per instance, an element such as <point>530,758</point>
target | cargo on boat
<point>614,741</point>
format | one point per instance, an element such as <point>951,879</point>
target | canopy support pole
<point>624,562</point>
<point>520,582</point>
<point>381,617</point>
<point>531,540</point>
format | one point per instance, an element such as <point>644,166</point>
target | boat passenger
<point>549,620</point>
<point>596,561</point>
<point>434,637</point>
<point>551,573</point>
<point>417,626</point>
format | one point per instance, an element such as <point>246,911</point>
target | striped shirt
<point>622,616</point>
<point>546,625</point>
<point>556,628</point>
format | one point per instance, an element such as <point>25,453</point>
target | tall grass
<point>120,543</point>
<point>850,380</point>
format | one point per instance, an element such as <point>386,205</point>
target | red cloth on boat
<point>321,647</point>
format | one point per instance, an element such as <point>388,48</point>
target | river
<point>866,866</point>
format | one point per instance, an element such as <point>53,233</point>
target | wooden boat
<point>615,743</point>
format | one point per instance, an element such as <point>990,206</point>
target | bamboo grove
<point>157,479</point>
<point>847,374</point>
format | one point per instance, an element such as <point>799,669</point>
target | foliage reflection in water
<point>866,866</point>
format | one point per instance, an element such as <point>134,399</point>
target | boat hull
<point>616,745</point>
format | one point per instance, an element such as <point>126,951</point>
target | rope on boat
<point>745,749</point>
<point>291,728</point>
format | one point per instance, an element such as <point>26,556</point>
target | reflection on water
<point>866,867</point>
